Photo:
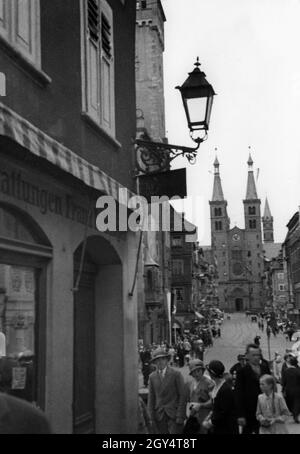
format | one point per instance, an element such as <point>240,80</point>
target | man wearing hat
<point>166,399</point>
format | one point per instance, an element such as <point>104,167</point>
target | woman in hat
<point>199,392</point>
<point>223,417</point>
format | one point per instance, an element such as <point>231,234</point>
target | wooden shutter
<point>26,26</point>
<point>93,61</point>
<point>107,68</point>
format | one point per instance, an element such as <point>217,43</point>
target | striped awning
<point>40,144</point>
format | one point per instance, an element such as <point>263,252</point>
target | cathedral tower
<point>252,204</point>
<point>220,224</point>
<point>267,221</point>
<point>253,237</point>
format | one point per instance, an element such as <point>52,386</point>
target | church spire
<point>267,221</point>
<point>217,191</point>
<point>251,193</point>
<point>267,212</point>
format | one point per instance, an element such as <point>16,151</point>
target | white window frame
<point>281,287</point>
<point>11,33</point>
<point>93,97</point>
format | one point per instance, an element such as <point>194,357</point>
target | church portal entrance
<point>239,305</point>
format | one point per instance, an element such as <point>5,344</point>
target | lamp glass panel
<point>197,109</point>
<point>209,106</point>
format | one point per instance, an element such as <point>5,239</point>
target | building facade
<point>238,253</point>
<point>184,281</point>
<point>155,275</point>
<point>207,278</point>
<point>66,125</point>
<point>292,259</point>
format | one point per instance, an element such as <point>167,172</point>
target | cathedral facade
<point>239,253</point>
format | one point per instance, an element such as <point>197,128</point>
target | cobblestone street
<point>236,334</point>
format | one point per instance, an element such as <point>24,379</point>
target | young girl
<point>272,411</point>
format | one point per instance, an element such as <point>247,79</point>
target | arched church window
<point>218,211</point>
<point>251,210</point>
<point>252,224</point>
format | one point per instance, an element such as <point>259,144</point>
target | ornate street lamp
<point>197,97</point>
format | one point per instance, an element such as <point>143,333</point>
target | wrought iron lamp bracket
<point>157,156</point>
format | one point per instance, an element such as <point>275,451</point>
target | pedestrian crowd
<point>185,349</point>
<point>244,400</point>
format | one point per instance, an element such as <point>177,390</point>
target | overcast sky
<point>250,53</point>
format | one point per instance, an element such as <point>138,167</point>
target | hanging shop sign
<point>170,184</point>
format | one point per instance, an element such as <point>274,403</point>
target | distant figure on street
<point>145,356</point>
<point>18,417</point>
<point>257,340</point>
<point>277,366</point>
<point>167,397</point>
<point>180,354</point>
<point>290,332</point>
<point>198,348</point>
<point>247,389</point>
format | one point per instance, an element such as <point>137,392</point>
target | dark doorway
<point>239,306</point>
<point>84,350</point>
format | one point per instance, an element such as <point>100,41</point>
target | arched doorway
<point>239,304</point>
<point>98,338</point>
<point>25,252</point>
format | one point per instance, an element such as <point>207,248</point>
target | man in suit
<point>167,397</point>
<point>18,417</point>
<point>247,389</point>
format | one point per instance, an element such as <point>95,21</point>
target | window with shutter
<point>107,67</point>
<point>20,26</point>
<point>98,95</point>
<point>93,20</point>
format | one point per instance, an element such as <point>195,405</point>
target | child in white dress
<point>272,410</point>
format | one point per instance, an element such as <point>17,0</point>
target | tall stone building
<point>238,253</point>
<point>150,46</point>
<point>154,282</point>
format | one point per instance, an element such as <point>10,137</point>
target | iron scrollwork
<point>157,156</point>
